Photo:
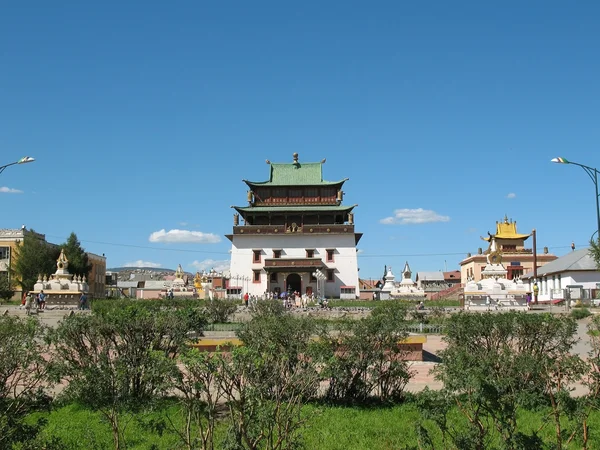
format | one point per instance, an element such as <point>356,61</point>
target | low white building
<point>296,235</point>
<point>573,276</point>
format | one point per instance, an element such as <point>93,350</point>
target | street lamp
<point>23,160</point>
<point>593,174</point>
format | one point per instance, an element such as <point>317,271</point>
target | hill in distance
<point>132,269</point>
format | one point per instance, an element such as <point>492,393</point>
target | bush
<point>220,310</point>
<point>363,359</point>
<point>580,313</point>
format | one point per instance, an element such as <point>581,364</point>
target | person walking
<point>28,303</point>
<point>83,301</point>
<point>42,301</point>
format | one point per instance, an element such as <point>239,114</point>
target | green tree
<point>33,256</point>
<point>78,258</point>
<point>6,291</point>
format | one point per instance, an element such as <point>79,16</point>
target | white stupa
<point>62,287</point>
<point>407,287</point>
<point>388,286</point>
<point>495,291</point>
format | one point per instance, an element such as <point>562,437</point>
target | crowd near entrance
<point>293,283</point>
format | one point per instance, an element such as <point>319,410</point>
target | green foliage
<point>33,256</point>
<point>496,362</point>
<point>78,258</point>
<point>23,372</point>
<point>122,359</point>
<point>362,358</point>
<point>595,250</point>
<point>580,313</point>
<point>6,291</point>
<point>265,394</point>
<point>200,396</point>
<point>220,310</point>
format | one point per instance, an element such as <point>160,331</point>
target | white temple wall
<point>345,261</point>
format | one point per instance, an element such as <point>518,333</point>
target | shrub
<point>23,372</point>
<point>362,358</point>
<point>220,310</point>
<point>580,313</point>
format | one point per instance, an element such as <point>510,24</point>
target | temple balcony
<point>294,264</point>
<point>293,229</point>
<point>297,201</point>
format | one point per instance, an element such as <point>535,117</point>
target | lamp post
<point>593,174</point>
<point>23,160</point>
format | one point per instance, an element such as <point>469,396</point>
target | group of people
<point>37,302</point>
<point>289,299</point>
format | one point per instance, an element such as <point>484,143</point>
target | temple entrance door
<point>293,283</point>
<point>309,290</point>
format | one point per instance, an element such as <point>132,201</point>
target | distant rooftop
<point>507,230</point>
<point>578,260</point>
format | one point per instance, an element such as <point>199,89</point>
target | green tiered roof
<point>295,174</point>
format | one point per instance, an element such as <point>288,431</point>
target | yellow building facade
<point>516,258</point>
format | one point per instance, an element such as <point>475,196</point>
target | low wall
<point>412,345</point>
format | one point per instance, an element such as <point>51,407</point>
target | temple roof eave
<point>508,236</point>
<point>268,183</point>
<point>292,209</point>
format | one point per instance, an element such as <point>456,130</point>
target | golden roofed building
<point>516,258</point>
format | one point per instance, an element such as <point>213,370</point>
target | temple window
<point>256,256</point>
<point>330,275</point>
<point>256,276</point>
<point>509,248</point>
<point>310,253</point>
<point>276,253</point>
<point>273,277</point>
<point>330,253</point>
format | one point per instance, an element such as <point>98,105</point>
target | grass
<point>329,428</point>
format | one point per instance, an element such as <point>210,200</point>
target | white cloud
<point>180,236</point>
<point>511,195</point>
<point>183,224</point>
<point>413,216</point>
<point>208,264</point>
<point>140,263</point>
<point>7,190</point>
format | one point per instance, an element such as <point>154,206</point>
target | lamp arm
<point>591,171</point>
<point>7,165</point>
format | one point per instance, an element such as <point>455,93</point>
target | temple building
<point>296,235</point>
<point>517,259</point>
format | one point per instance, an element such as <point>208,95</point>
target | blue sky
<point>144,117</point>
